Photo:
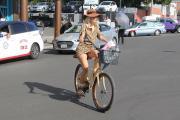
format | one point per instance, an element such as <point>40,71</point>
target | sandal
<point>83,88</point>
<point>80,92</point>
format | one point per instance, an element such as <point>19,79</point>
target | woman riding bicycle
<point>88,36</point>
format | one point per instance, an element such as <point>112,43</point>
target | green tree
<point>164,2</point>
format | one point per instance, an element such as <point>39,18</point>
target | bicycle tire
<point>78,67</point>
<point>100,106</point>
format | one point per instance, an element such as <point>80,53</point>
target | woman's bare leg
<point>84,62</point>
<point>94,54</point>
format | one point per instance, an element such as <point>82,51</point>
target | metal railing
<point>3,11</point>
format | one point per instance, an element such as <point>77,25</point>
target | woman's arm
<point>82,34</point>
<point>102,37</point>
<point>81,37</point>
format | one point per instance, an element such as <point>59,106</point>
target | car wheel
<point>35,51</point>
<point>173,31</point>
<point>132,34</point>
<point>178,29</point>
<point>157,33</point>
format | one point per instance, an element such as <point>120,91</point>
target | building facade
<point>10,9</point>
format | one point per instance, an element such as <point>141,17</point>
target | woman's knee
<point>85,68</point>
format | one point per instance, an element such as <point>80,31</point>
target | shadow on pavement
<point>56,52</point>
<point>57,93</point>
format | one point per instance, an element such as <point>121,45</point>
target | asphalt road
<point>147,84</point>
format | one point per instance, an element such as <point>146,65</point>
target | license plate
<point>63,45</point>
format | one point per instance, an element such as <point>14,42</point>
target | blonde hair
<point>87,20</point>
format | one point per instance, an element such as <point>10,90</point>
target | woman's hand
<point>102,38</point>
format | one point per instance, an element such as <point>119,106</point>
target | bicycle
<point>100,82</point>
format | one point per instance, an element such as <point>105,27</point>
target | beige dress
<point>90,37</point>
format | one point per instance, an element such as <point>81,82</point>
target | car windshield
<point>74,29</point>
<point>105,3</point>
<point>41,3</point>
<point>72,3</point>
<point>135,25</point>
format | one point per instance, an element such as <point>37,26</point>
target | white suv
<point>108,5</point>
<point>40,7</point>
<point>19,39</point>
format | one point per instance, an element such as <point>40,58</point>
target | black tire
<point>178,29</point>
<point>35,51</point>
<point>173,31</point>
<point>157,32</point>
<point>77,71</point>
<point>99,103</point>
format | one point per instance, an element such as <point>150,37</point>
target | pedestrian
<point>108,21</point>
<point>122,22</point>
<point>65,26</point>
<point>88,36</point>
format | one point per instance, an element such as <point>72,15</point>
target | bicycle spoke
<point>103,92</point>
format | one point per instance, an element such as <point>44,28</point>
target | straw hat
<point>92,13</point>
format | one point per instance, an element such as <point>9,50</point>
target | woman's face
<point>93,20</point>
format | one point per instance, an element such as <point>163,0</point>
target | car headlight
<point>77,40</point>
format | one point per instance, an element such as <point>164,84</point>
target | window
<point>113,3</point>
<point>75,29</point>
<point>143,25</point>
<point>31,26</point>
<point>162,20</point>
<point>169,20</point>
<point>104,27</point>
<point>3,2</point>
<point>150,24</point>
<point>18,28</point>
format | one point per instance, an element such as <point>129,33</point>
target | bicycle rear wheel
<point>78,71</point>
<point>103,92</point>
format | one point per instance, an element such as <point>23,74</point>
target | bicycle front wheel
<point>103,92</point>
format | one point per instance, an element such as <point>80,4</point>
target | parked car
<point>145,28</point>
<point>87,7</point>
<point>40,7</point>
<point>70,39</point>
<point>72,6</point>
<point>108,5</point>
<point>88,4</point>
<point>171,25</point>
<point>52,7</point>
<point>19,39</point>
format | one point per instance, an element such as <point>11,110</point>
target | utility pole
<point>57,25</point>
<point>24,10</point>
<point>152,6</point>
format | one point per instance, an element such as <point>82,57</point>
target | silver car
<point>70,39</point>
<point>146,28</point>
<point>40,7</point>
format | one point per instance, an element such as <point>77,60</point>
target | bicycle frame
<point>92,76</point>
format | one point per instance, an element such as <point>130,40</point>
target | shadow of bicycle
<point>57,93</point>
